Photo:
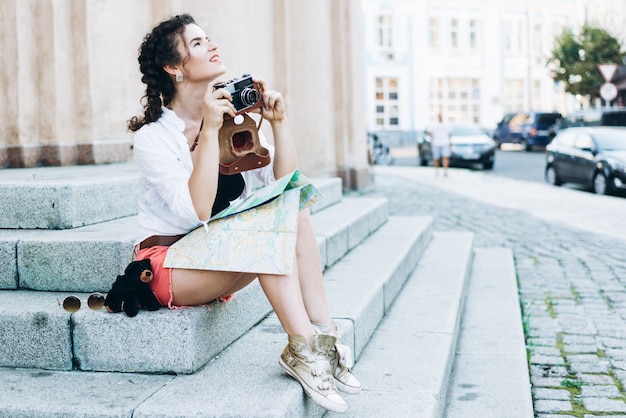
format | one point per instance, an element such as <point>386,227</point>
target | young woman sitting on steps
<point>176,148</point>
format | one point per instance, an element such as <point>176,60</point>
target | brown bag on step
<point>240,147</point>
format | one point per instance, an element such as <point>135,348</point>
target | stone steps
<point>73,196</point>
<point>408,362</point>
<point>89,258</point>
<point>67,197</point>
<point>53,339</point>
<point>245,378</point>
<point>389,280</point>
<point>491,363</point>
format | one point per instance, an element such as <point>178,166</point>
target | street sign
<point>608,91</point>
<point>607,70</point>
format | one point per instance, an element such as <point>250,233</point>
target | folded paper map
<point>255,235</point>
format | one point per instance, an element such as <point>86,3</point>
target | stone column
<point>317,58</point>
<point>20,80</point>
<point>306,68</point>
<point>37,78</point>
<point>350,132</point>
<point>9,81</point>
<point>49,113</point>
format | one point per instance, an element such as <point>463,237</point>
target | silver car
<point>470,146</point>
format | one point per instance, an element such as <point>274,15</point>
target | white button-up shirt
<point>162,154</point>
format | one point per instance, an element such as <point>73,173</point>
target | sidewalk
<point>574,208</point>
<point>568,248</point>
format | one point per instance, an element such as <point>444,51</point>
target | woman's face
<point>203,63</point>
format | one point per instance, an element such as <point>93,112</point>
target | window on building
<point>387,105</point>
<point>514,36</point>
<point>434,33</point>
<point>384,31</point>
<point>521,30</point>
<point>508,37</point>
<point>537,37</point>
<point>454,33</point>
<point>385,35</point>
<point>459,97</point>
<point>536,98</point>
<point>537,46</point>
<point>473,34</point>
<point>513,96</point>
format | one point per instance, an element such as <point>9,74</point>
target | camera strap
<point>195,141</point>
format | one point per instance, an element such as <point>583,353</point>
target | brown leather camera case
<point>240,147</point>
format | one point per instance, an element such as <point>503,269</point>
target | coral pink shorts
<point>161,283</point>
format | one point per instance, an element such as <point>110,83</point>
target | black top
<point>228,188</point>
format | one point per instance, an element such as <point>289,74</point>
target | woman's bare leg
<point>310,271</point>
<point>314,296</point>
<point>194,287</point>
<point>285,296</point>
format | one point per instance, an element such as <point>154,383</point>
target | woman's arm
<point>285,155</point>
<point>203,179</point>
<point>165,169</point>
<point>273,110</point>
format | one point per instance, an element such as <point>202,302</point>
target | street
<point>510,163</point>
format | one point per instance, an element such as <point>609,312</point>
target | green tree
<point>576,56</point>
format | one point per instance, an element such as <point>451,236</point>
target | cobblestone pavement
<point>572,287</point>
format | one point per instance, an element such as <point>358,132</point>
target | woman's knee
<point>243,280</point>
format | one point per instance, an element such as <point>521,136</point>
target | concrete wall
<point>69,78</point>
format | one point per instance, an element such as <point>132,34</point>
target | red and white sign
<point>607,70</point>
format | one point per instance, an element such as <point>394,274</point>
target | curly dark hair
<point>159,48</point>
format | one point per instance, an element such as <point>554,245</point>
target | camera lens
<point>249,96</point>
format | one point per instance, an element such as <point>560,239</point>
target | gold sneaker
<point>310,365</point>
<point>341,361</point>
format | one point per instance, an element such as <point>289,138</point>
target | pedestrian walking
<point>440,144</point>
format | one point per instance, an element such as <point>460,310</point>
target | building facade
<point>70,80</point>
<point>470,60</point>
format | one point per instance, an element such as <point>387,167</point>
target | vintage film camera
<point>240,147</point>
<point>245,92</point>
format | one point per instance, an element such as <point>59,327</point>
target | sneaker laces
<point>327,383</point>
<point>320,370</point>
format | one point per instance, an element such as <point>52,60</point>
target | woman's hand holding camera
<point>238,93</point>
<point>273,107</point>
<point>216,104</point>
<point>225,98</point>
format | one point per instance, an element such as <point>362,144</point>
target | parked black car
<point>529,129</point>
<point>592,156</point>
<point>592,117</point>
<point>470,145</point>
